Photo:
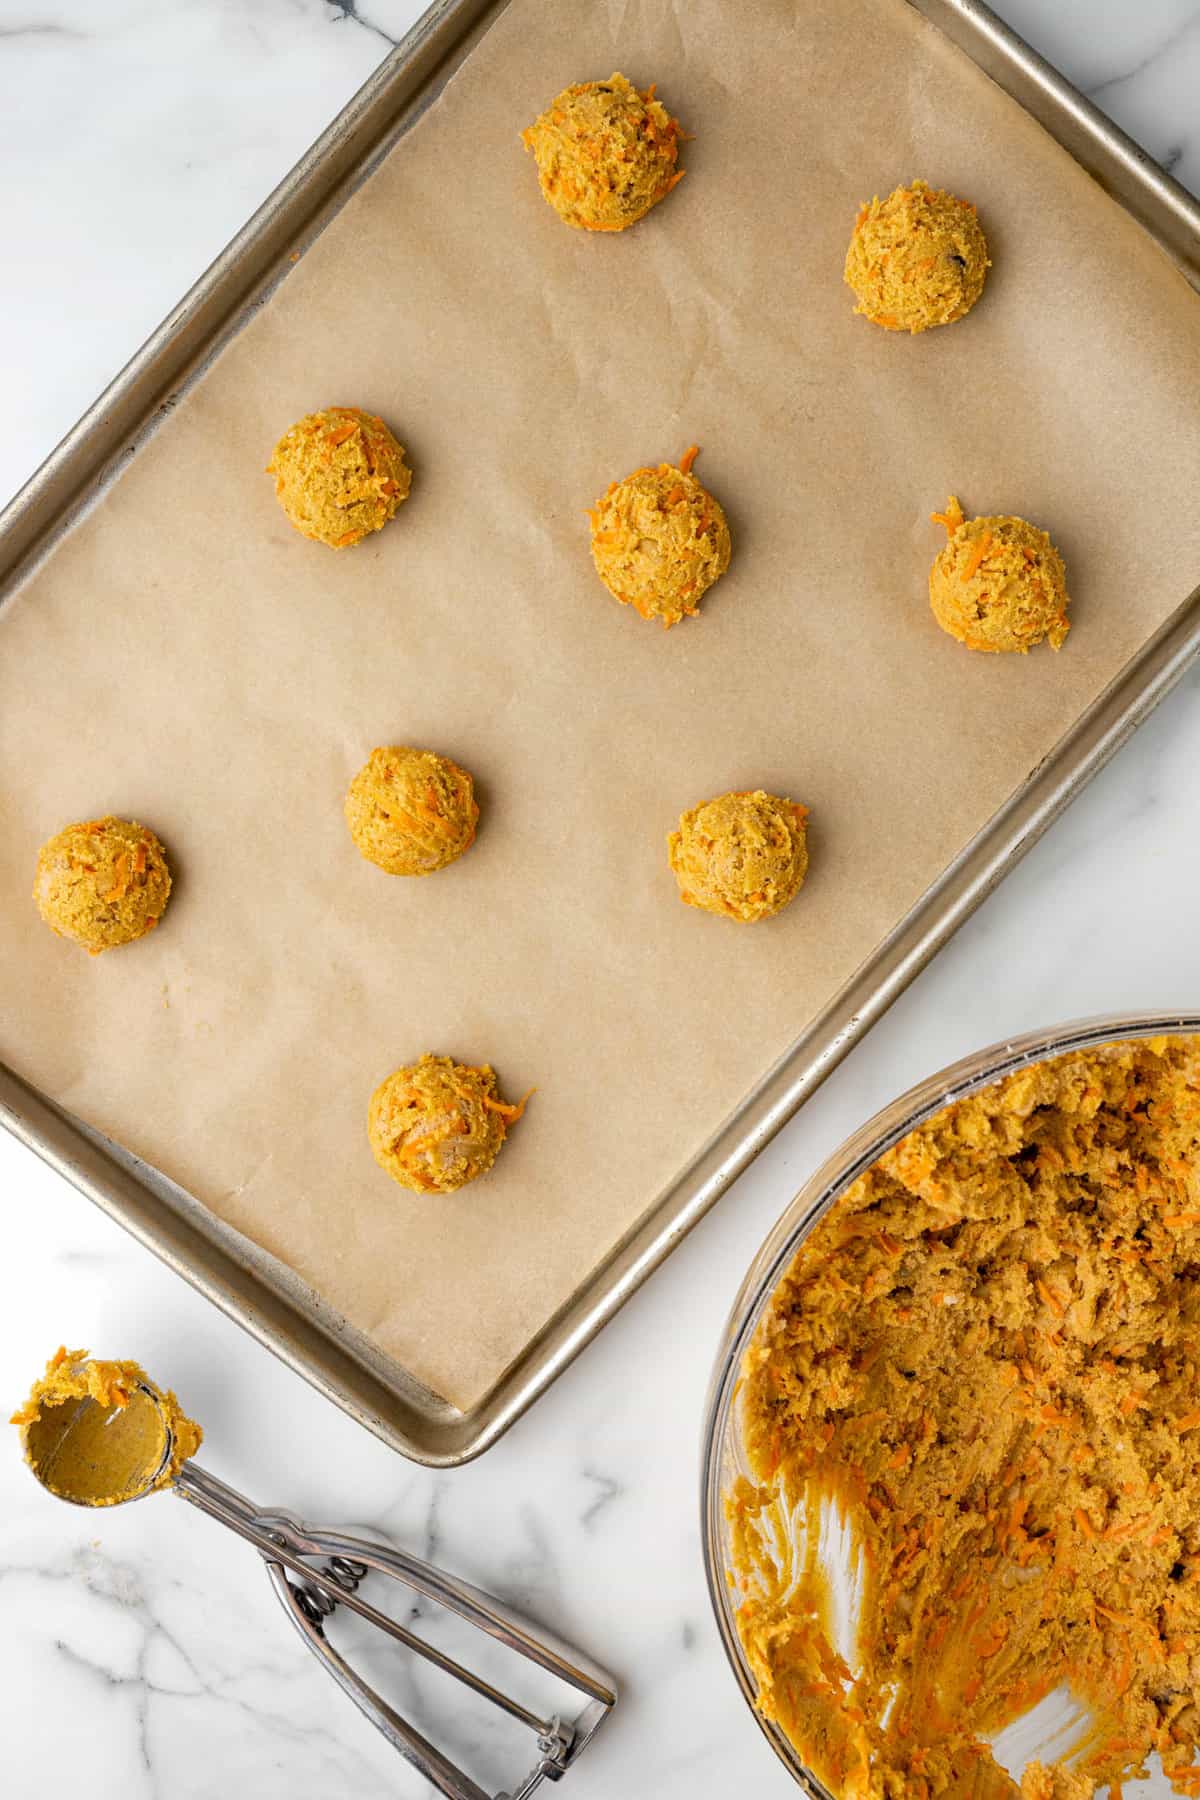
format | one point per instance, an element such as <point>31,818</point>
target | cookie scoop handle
<point>311,1591</point>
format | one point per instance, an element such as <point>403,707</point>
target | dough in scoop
<point>660,540</point>
<point>102,883</point>
<point>917,259</point>
<point>743,855</point>
<point>998,583</point>
<point>411,811</point>
<point>605,153</point>
<point>437,1124</point>
<point>339,474</point>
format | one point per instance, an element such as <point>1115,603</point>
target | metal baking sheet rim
<point>285,1315</point>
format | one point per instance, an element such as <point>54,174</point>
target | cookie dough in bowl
<point>102,883</point>
<point>605,153</point>
<point>917,259</point>
<point>660,540</point>
<point>411,812</point>
<point>339,475</point>
<point>743,855</point>
<point>436,1124</point>
<point>998,584</point>
<point>952,1487</point>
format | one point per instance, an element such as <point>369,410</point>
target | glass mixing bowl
<point>722,1455</point>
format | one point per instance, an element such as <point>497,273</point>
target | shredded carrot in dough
<point>952,518</point>
<point>509,1113</point>
<point>120,886</point>
<point>978,552</point>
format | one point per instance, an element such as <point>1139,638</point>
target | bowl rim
<point>856,1154</point>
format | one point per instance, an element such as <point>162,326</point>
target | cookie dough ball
<point>998,583</point>
<point>742,855</point>
<point>411,811</point>
<point>437,1124</point>
<point>659,540</point>
<point>605,153</point>
<point>102,883</point>
<point>918,258</point>
<point>339,474</point>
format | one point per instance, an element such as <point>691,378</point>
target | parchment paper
<point>187,660</point>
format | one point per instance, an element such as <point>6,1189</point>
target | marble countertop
<point>141,1652</point>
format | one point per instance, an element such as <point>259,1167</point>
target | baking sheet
<point>186,659</point>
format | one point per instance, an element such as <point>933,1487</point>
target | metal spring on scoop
<point>314,1602</point>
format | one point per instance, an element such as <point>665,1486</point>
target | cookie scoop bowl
<point>1054,1726</point>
